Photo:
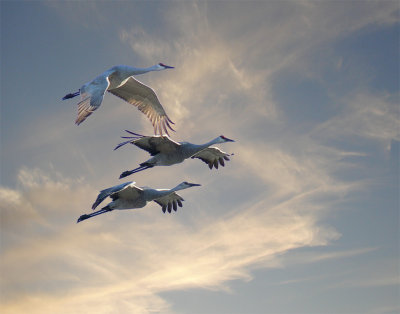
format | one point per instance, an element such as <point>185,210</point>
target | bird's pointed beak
<point>168,67</point>
<point>229,140</point>
<point>194,184</point>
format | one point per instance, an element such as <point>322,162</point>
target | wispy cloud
<point>386,274</point>
<point>125,257</point>
<point>226,72</point>
<point>365,115</point>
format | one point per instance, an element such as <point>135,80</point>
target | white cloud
<point>147,47</point>
<point>127,262</point>
<point>222,73</point>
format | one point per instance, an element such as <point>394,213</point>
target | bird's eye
<point>162,64</point>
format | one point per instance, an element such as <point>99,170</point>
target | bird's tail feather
<point>131,138</point>
<point>122,144</point>
<point>133,133</point>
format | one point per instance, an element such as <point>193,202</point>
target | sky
<point>304,218</point>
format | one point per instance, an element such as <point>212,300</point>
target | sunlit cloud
<point>217,77</point>
<point>132,259</point>
<point>145,46</point>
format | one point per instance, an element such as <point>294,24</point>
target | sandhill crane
<point>128,196</point>
<point>119,81</point>
<point>167,152</point>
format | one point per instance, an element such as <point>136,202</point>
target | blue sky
<point>303,219</point>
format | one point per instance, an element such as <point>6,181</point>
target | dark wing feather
<point>170,202</point>
<point>153,144</point>
<point>211,156</point>
<point>157,144</point>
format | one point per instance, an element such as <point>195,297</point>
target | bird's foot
<point>83,217</point>
<point>125,174</point>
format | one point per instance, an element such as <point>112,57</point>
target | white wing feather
<point>107,192</point>
<point>92,95</point>
<point>146,100</point>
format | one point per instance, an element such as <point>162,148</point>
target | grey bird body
<point>119,81</point>
<point>167,152</point>
<point>128,196</point>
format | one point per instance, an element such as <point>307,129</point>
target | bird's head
<point>185,185</point>
<point>223,139</point>
<point>162,66</point>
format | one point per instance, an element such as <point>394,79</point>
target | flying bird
<point>167,152</point>
<point>119,81</point>
<point>128,196</point>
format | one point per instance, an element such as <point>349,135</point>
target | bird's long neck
<point>152,194</point>
<point>194,148</point>
<point>177,188</point>
<point>135,71</point>
<point>212,142</point>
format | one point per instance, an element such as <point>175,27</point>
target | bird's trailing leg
<point>101,211</point>
<point>71,95</point>
<point>129,172</point>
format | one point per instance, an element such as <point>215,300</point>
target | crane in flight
<point>128,196</point>
<point>120,82</point>
<point>167,152</point>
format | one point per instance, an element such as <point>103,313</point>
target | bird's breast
<point>128,204</point>
<point>171,159</point>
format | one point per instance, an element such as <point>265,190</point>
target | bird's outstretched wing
<point>92,95</point>
<point>151,144</point>
<point>169,202</point>
<point>129,192</point>
<point>146,100</point>
<point>108,192</point>
<point>211,156</point>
